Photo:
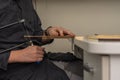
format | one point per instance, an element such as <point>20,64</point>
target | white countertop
<point>98,47</point>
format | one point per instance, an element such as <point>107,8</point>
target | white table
<point>103,57</point>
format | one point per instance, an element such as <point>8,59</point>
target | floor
<point>74,69</point>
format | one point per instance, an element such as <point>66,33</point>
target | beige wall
<point>83,17</point>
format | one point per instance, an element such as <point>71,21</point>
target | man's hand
<point>27,55</point>
<point>59,31</point>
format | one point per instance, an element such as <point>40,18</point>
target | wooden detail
<point>105,37</point>
<point>49,37</point>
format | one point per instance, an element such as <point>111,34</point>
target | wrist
<point>14,56</point>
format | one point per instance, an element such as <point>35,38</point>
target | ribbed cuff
<point>46,33</point>
<point>4,60</point>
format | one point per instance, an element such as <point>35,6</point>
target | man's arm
<point>58,31</point>
<point>27,55</point>
<point>55,31</point>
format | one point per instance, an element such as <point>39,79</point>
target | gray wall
<point>83,17</point>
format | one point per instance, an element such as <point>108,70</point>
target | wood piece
<point>49,37</point>
<point>105,37</point>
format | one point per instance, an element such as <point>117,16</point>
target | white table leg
<point>105,68</point>
<point>115,67</point>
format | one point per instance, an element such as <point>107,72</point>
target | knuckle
<point>36,59</point>
<point>41,52</point>
<point>35,55</point>
<point>39,59</point>
<point>42,56</point>
<point>33,60</point>
<point>35,47</point>
<point>34,51</point>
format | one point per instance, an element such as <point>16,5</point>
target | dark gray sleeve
<point>39,31</point>
<point>37,27</point>
<point>4,60</point>
<point>4,3</point>
<point>3,56</point>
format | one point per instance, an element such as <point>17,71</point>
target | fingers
<point>36,59</point>
<point>38,53</point>
<point>36,49</point>
<point>39,56</point>
<point>64,32</point>
<point>39,59</point>
<point>59,31</point>
<point>39,48</point>
<point>68,33</point>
